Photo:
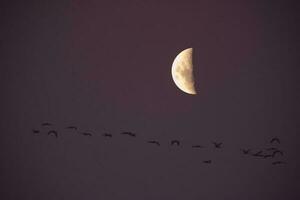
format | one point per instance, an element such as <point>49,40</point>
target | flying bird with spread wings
<point>175,142</point>
<point>275,139</point>
<point>217,145</point>
<point>268,156</point>
<point>197,146</point>
<point>53,132</point>
<point>271,149</point>
<point>258,154</point>
<point>35,131</point>
<point>72,127</point>
<point>245,151</point>
<point>86,134</point>
<point>154,142</point>
<point>277,152</point>
<point>129,133</point>
<point>107,135</point>
<point>46,124</point>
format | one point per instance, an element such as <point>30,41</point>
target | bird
<point>71,127</point>
<point>107,135</point>
<point>245,151</point>
<point>154,142</point>
<point>207,161</point>
<point>277,152</point>
<point>275,139</point>
<point>278,162</point>
<point>271,149</point>
<point>258,154</point>
<point>197,146</point>
<point>267,156</point>
<point>53,132</point>
<point>217,145</point>
<point>35,131</point>
<point>86,134</point>
<point>46,124</point>
<point>173,142</point>
<point>129,133</point>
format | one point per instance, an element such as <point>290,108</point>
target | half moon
<point>182,71</point>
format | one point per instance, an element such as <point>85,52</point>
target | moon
<point>182,71</point>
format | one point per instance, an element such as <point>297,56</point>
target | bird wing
<point>197,146</point>
<point>53,132</point>
<point>275,139</point>
<point>154,142</point>
<point>46,124</point>
<point>71,127</point>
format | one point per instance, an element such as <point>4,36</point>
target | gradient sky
<point>106,67</point>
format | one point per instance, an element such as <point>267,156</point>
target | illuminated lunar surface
<point>182,71</point>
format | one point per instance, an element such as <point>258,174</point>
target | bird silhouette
<point>86,134</point>
<point>278,162</point>
<point>271,149</point>
<point>277,152</point>
<point>154,142</point>
<point>275,140</point>
<point>173,142</point>
<point>53,132</point>
<point>129,133</point>
<point>197,146</point>
<point>46,124</point>
<point>35,131</point>
<point>107,135</point>
<point>72,127</point>
<point>245,151</point>
<point>207,161</point>
<point>258,154</point>
<point>267,156</point>
<point>217,145</point>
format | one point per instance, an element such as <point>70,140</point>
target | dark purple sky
<point>106,67</point>
<point>127,49</point>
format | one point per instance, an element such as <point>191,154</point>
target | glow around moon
<point>182,71</point>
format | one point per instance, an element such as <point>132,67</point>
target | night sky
<point>105,67</point>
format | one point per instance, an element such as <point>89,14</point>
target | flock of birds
<point>271,152</point>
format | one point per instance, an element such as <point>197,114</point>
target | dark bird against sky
<point>277,152</point>
<point>53,132</point>
<point>175,142</point>
<point>107,135</point>
<point>271,149</point>
<point>129,133</point>
<point>197,146</point>
<point>217,145</point>
<point>275,140</point>
<point>35,131</point>
<point>86,134</point>
<point>258,154</point>
<point>72,127</point>
<point>245,151</point>
<point>46,124</point>
<point>268,156</point>
<point>154,142</point>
